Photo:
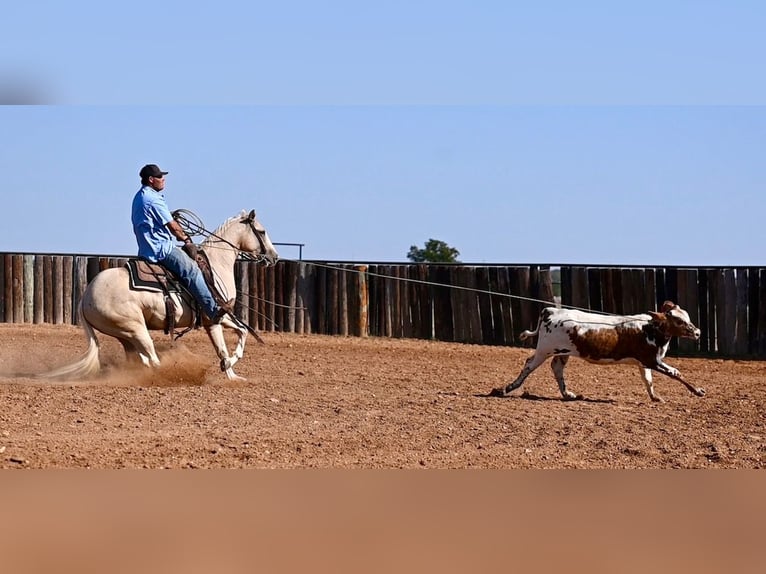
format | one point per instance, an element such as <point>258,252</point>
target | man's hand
<point>191,250</point>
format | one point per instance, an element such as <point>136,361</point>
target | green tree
<point>435,251</point>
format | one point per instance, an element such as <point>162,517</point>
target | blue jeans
<point>190,276</point>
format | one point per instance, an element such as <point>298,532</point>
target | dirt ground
<point>336,402</point>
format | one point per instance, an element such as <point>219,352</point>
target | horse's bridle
<point>260,235</point>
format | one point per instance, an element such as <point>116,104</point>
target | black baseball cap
<point>151,170</point>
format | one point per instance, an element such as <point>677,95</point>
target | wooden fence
<point>482,304</point>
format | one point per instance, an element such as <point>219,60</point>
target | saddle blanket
<point>146,276</point>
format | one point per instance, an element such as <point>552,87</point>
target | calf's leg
<point>530,365</point>
<point>646,374</point>
<point>673,373</point>
<point>557,366</point>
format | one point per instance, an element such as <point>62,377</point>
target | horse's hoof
<point>497,392</point>
<point>699,391</point>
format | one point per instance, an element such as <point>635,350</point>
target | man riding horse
<point>155,231</point>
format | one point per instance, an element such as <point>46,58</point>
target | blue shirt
<point>150,215</point>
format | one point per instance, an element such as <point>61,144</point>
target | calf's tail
<point>87,365</point>
<point>527,334</point>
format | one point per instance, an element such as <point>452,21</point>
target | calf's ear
<point>667,306</point>
<point>657,317</point>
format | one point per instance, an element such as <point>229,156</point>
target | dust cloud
<point>179,367</point>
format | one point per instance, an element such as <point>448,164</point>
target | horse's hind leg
<point>141,343</point>
<point>131,354</point>
<point>136,357</point>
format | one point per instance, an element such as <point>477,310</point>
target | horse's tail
<point>87,365</point>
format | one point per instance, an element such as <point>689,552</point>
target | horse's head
<point>256,240</point>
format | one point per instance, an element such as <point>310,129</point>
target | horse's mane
<point>221,229</point>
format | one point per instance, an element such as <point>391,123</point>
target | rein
<point>193,226</point>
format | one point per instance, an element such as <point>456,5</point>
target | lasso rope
<point>195,227</point>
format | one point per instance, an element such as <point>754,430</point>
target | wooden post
<point>638,291</point>
<point>459,324</point>
<point>527,311</point>
<point>413,302</point>
<point>687,286</point>
<point>58,290</point>
<point>484,304</point>
<point>3,297</point>
<point>270,295</point>
<point>753,310</point>
<point>703,302</point>
<point>242,283</point>
<point>761,341</point>
<point>650,289</point>
<point>515,290</point>
<point>595,303</point>
<point>262,294</point>
<point>497,307</point>
<point>306,300</point>
<point>275,294</point>
<point>321,312</point>
<point>472,305</point>
<point>386,317</point>
<point>28,286</point>
<point>292,295</point>
<point>425,303</point>
<point>332,292</point>
<point>18,289</point>
<point>408,303</point>
<point>79,284</point>
<point>443,325</point>
<point>728,312</point>
<point>607,291</point>
<point>740,319</point>
<point>628,304</point>
<point>252,271</point>
<point>362,326</point>
<point>67,289</point>
<point>52,294</point>
<point>93,266</point>
<point>396,301</point>
<point>713,288</point>
<point>40,291</point>
<point>579,289</point>
<point>342,302</point>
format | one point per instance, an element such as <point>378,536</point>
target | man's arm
<point>176,229</point>
<point>180,234</point>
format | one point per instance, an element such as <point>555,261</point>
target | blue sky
<point>555,133</point>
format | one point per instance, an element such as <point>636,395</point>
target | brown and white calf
<point>641,339</point>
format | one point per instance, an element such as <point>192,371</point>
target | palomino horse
<point>109,305</point>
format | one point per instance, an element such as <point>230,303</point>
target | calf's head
<point>674,321</point>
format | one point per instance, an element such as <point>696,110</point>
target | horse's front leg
<point>239,350</point>
<point>215,333</point>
